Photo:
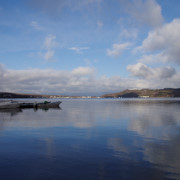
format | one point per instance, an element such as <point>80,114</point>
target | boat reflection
<point>15,111</point>
<point>12,111</point>
<point>45,108</point>
<point>26,117</point>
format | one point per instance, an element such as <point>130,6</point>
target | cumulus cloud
<point>46,81</point>
<point>83,71</point>
<point>146,12</point>
<point>48,47</point>
<point>162,37</point>
<point>79,81</point>
<point>143,71</point>
<point>165,40</point>
<point>79,50</point>
<point>117,49</point>
<point>83,80</point>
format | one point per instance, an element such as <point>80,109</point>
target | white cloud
<point>143,71</point>
<point>162,37</point>
<point>83,80</point>
<point>80,81</point>
<point>166,41</point>
<point>149,58</point>
<point>82,71</point>
<point>46,81</point>
<point>49,55</point>
<point>146,12</point>
<point>117,49</point>
<point>90,62</point>
<point>50,42</point>
<point>2,70</point>
<point>79,50</point>
<point>36,25</point>
<point>48,48</point>
<point>129,33</point>
<point>100,24</point>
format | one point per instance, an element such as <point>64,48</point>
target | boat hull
<point>48,105</point>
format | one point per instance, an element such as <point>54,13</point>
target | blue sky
<point>88,47</point>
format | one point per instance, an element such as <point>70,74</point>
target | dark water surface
<point>91,139</point>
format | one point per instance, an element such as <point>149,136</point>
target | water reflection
<point>25,117</point>
<point>50,148</point>
<point>145,133</point>
<point>165,156</point>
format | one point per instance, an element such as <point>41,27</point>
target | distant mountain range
<point>16,95</point>
<point>167,92</point>
<point>19,95</point>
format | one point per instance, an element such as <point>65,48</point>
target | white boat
<point>9,104</point>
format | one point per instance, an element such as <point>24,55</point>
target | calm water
<point>92,139</point>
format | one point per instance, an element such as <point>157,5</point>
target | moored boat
<point>15,104</point>
<point>48,104</point>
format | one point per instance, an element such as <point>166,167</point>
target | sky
<point>88,47</point>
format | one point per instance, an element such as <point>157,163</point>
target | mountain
<point>16,95</point>
<point>167,92</point>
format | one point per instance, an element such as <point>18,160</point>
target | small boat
<point>47,104</point>
<point>15,104</point>
<point>9,104</point>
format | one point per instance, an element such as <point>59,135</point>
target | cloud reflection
<point>165,156</point>
<point>151,127</point>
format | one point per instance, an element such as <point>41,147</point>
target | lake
<point>92,139</point>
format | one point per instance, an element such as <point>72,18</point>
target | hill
<point>16,95</point>
<point>167,92</point>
